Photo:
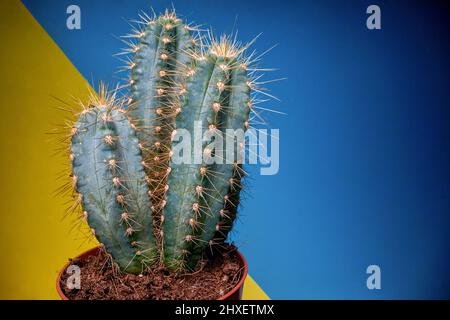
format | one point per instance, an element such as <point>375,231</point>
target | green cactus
<point>144,206</point>
<point>227,178</point>
<point>163,50</point>
<point>218,95</point>
<point>109,176</point>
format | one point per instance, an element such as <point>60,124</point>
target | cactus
<point>109,177</point>
<point>142,205</point>
<point>227,180</point>
<point>218,95</point>
<point>162,52</point>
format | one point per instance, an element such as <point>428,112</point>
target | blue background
<point>365,165</point>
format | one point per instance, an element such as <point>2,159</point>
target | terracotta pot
<point>234,294</point>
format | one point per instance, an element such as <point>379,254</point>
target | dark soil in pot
<point>99,281</point>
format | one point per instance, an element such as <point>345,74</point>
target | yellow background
<point>35,241</point>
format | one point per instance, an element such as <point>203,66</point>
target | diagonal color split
<point>34,240</point>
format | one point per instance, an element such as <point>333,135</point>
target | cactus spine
<point>143,205</point>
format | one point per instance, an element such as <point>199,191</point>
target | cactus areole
<point>144,207</point>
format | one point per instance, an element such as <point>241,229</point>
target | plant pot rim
<point>236,290</point>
